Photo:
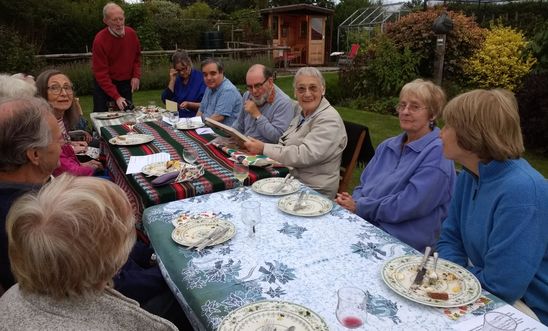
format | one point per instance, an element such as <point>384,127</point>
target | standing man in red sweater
<point>116,61</point>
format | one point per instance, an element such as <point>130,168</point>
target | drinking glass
<point>495,321</point>
<point>130,122</point>
<point>240,172</point>
<point>190,155</point>
<point>351,307</point>
<point>174,118</point>
<point>251,214</point>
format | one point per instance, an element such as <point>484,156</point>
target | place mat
<point>267,186</point>
<point>315,205</point>
<point>257,160</point>
<point>131,139</point>
<point>279,315</point>
<point>458,283</point>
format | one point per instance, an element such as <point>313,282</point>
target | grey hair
<point>217,62</point>
<point>309,71</point>
<point>181,56</point>
<point>107,7</point>
<point>13,87</point>
<point>23,126</point>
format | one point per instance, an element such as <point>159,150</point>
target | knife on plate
<point>282,184</point>
<point>210,235</point>
<point>422,268</point>
<point>213,238</point>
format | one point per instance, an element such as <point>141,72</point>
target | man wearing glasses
<point>116,62</point>
<point>267,109</point>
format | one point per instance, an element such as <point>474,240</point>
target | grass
<point>380,126</point>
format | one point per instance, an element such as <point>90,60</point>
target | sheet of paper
<point>136,163</point>
<point>204,131</point>
<point>525,323</point>
<point>196,120</point>
<point>171,106</point>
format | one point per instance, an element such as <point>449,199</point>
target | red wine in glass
<point>351,322</point>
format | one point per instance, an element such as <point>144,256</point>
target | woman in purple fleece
<point>406,188</point>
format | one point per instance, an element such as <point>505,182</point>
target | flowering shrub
<point>415,32</point>
<point>500,62</point>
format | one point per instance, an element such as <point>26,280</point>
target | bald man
<point>267,110</point>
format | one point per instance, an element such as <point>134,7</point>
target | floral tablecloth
<point>298,259</point>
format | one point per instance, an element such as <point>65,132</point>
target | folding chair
<point>347,59</point>
<point>359,149</point>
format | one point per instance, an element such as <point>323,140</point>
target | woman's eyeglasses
<point>412,107</point>
<point>56,89</point>
<point>311,88</point>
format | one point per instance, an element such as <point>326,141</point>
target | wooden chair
<point>359,149</point>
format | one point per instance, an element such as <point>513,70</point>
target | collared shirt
<point>275,117</point>
<point>225,100</point>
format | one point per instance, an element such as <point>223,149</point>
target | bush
<point>16,54</point>
<point>500,61</point>
<point>539,48</point>
<point>414,31</point>
<point>378,73</point>
<point>533,108</point>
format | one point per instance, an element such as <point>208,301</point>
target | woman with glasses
<point>315,139</point>
<point>406,188</point>
<point>58,91</point>
<point>186,85</point>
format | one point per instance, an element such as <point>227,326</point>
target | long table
<point>300,260</point>
<point>218,166</point>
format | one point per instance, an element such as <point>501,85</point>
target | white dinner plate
<point>315,205</point>
<point>191,232</point>
<point>461,285</point>
<point>131,139</point>
<point>182,125</point>
<point>267,186</point>
<point>109,115</point>
<point>190,172</point>
<point>282,315</point>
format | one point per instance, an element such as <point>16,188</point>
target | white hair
<point>12,87</point>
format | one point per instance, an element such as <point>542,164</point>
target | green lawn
<point>380,126</point>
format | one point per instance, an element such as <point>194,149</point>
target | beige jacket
<point>313,148</point>
<point>107,311</point>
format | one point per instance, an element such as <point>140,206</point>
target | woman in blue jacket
<point>406,188</point>
<point>186,85</point>
<point>498,220</point>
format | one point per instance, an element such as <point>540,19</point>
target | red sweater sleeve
<point>115,59</point>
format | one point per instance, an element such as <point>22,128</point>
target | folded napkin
<point>257,160</point>
<point>458,312</point>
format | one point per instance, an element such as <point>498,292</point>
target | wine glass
<point>190,155</point>
<point>174,118</point>
<point>351,307</point>
<point>131,121</point>
<point>240,172</point>
<point>251,214</point>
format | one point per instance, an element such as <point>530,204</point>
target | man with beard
<point>115,61</point>
<point>267,109</point>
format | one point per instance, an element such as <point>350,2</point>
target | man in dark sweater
<point>30,144</point>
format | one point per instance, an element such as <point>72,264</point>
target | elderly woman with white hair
<point>316,137</point>
<point>66,243</point>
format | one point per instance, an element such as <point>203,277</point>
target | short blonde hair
<point>70,238</point>
<point>429,93</point>
<point>486,123</point>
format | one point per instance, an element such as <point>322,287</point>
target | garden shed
<point>305,28</point>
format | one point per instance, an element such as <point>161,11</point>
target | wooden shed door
<point>317,40</point>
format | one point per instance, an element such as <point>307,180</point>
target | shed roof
<point>299,9</point>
